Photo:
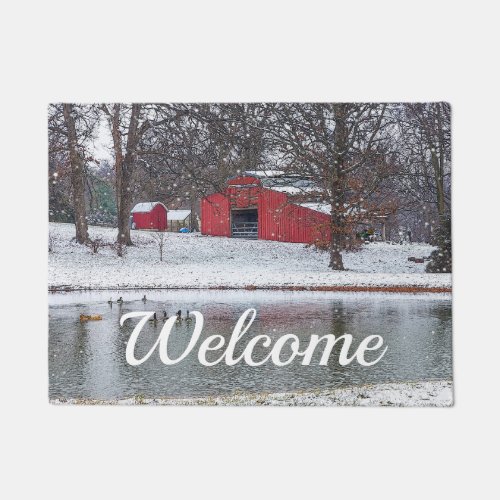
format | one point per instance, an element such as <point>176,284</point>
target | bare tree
<point>341,147</point>
<point>191,150</point>
<point>160,239</point>
<point>70,129</point>
<point>95,244</point>
<point>127,125</point>
<point>424,152</point>
<point>77,176</point>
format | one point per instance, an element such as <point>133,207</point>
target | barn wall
<point>271,206</point>
<point>215,216</point>
<point>142,220</point>
<point>155,219</point>
<point>159,216</point>
<point>243,192</point>
<point>243,197</point>
<point>281,220</point>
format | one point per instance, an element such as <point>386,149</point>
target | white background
<point>261,51</point>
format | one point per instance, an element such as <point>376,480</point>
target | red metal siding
<point>281,220</point>
<point>243,192</point>
<point>271,206</point>
<point>215,216</point>
<point>159,215</point>
<point>243,197</point>
<point>155,219</point>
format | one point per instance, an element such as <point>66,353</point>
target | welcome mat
<point>250,254</point>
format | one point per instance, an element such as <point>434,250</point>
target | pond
<point>87,360</point>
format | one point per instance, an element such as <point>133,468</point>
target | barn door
<point>244,223</point>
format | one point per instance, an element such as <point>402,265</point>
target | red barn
<point>150,215</point>
<point>267,206</point>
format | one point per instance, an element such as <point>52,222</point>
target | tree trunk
<point>337,226</point>
<point>438,175</point>
<point>126,177</point>
<point>124,208</point>
<point>117,146</point>
<point>77,177</point>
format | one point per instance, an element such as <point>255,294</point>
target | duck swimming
<point>110,302</point>
<point>165,316</point>
<point>188,317</point>
<point>179,316</point>
<point>144,299</point>
<point>119,301</point>
<point>90,317</point>
<point>154,318</point>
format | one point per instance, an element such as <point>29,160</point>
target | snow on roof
<point>324,208</point>
<point>264,173</point>
<point>292,189</point>
<point>286,189</point>
<point>147,206</point>
<point>178,214</point>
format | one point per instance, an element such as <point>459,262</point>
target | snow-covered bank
<point>242,297</point>
<point>196,261</point>
<point>435,393</point>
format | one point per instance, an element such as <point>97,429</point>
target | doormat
<point>290,254</point>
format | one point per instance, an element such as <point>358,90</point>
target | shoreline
<point>293,288</point>
<point>438,393</point>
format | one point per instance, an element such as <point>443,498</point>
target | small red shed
<point>150,215</point>
<point>254,206</point>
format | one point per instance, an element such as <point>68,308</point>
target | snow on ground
<point>433,393</point>
<point>196,261</point>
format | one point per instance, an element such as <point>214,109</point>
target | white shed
<point>178,219</point>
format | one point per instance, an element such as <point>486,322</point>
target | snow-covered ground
<point>435,393</point>
<point>196,261</point>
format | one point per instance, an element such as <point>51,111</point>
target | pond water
<point>87,360</point>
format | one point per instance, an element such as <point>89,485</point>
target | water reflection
<point>88,359</point>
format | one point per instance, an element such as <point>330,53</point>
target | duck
<point>110,301</point>
<point>144,299</point>
<point>90,317</point>
<point>119,301</point>
<point>154,319</point>
<point>179,316</point>
<point>188,317</point>
<point>165,316</point>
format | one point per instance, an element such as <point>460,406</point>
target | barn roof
<point>147,206</point>
<point>293,189</point>
<point>178,214</point>
<point>324,208</point>
<point>264,173</point>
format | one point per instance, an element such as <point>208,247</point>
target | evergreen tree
<point>441,257</point>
